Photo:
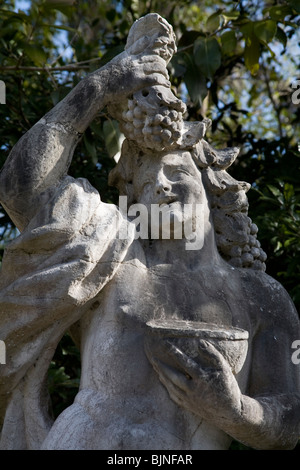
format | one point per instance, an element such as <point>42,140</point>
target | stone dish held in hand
<point>231,342</point>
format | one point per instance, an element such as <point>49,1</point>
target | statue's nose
<point>162,185</point>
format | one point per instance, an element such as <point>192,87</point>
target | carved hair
<point>236,235</point>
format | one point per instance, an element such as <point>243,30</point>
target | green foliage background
<point>237,62</point>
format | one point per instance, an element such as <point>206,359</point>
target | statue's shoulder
<point>268,299</point>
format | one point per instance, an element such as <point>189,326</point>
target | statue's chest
<point>140,294</point>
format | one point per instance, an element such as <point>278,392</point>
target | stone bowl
<point>230,341</point>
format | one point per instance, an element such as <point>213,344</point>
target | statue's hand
<point>130,73</point>
<point>210,391</point>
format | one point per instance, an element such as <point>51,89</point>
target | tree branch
<point>43,69</point>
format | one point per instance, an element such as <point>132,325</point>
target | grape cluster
<point>152,117</point>
<point>250,255</point>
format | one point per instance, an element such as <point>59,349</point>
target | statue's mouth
<point>167,200</point>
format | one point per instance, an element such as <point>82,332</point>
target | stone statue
<point>185,341</point>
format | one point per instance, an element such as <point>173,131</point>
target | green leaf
<point>269,200</point>
<point>252,54</point>
<point>252,47</point>
<point>207,55</point>
<point>35,53</point>
<point>288,191</point>
<point>213,22</point>
<point>276,192</point>
<point>20,16</point>
<point>178,65</point>
<point>278,247</point>
<point>281,36</point>
<point>97,129</point>
<point>279,12</point>
<point>231,15</point>
<point>290,241</point>
<point>195,81</point>
<point>90,147</point>
<point>229,42</point>
<point>111,15</point>
<point>112,137</point>
<point>265,30</point>
<point>196,86</point>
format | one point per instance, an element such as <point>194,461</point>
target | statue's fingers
<point>210,353</point>
<point>191,368</point>
<point>155,67</point>
<point>160,79</point>
<point>140,46</point>
<point>177,394</point>
<point>156,79</point>
<point>152,59</point>
<point>172,378</point>
<point>144,45</point>
<point>201,370</point>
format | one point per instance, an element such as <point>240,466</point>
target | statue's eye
<point>179,172</point>
<point>146,185</point>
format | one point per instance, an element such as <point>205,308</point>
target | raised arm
<point>43,155</point>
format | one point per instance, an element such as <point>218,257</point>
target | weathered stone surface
<point>185,340</point>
